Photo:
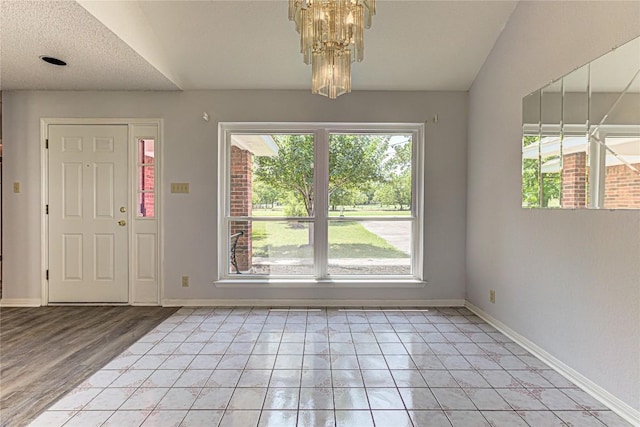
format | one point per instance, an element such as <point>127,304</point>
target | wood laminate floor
<point>47,351</point>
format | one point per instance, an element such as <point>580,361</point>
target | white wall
<point>190,153</point>
<point>568,280</point>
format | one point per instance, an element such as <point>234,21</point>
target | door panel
<point>104,256</point>
<point>146,259</point>
<point>72,256</point>
<point>72,190</point>
<point>88,184</point>
<point>103,190</point>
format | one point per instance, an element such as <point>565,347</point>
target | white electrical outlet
<point>185,281</point>
<point>492,296</point>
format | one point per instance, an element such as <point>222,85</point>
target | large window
<point>320,202</point>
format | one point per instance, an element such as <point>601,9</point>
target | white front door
<point>88,204</point>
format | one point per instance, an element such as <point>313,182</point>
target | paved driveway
<point>397,233</point>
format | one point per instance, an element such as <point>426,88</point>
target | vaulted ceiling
<point>192,45</point>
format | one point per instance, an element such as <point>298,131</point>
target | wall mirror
<point>581,136</point>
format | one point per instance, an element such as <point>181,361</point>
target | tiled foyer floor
<point>326,367</point>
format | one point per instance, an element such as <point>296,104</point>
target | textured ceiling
<point>244,44</point>
<point>96,57</point>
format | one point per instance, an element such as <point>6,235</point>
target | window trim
<point>321,132</point>
<point>140,165</point>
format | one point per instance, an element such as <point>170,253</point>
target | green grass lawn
<point>348,212</point>
<point>346,240</point>
<point>367,212</point>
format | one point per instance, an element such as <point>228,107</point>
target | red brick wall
<point>574,180</point>
<point>622,187</point>
<point>147,176</point>
<point>241,204</point>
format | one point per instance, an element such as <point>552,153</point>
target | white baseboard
<point>616,405</point>
<point>87,304</point>
<point>310,303</point>
<point>20,302</point>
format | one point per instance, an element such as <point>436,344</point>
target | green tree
<point>538,188</point>
<point>290,169</point>
<point>400,161</point>
<point>263,194</point>
<point>354,162</point>
<point>395,189</point>
<point>347,197</point>
<point>292,205</point>
<point>342,197</point>
<point>530,176</point>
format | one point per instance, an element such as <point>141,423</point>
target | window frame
<point>140,165</point>
<point>321,132</point>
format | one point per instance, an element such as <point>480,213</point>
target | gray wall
<point>568,280</point>
<point>190,155</point>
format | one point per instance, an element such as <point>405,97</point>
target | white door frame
<point>131,215</point>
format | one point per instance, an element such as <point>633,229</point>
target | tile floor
<point>326,367</point>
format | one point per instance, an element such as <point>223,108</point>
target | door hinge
<point>47,210</point>
<point>47,274</point>
<point>46,145</point>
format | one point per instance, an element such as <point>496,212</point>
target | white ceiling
<point>243,44</point>
<point>97,58</point>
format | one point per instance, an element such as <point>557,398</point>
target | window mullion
<point>224,187</point>
<point>321,183</point>
<point>417,201</point>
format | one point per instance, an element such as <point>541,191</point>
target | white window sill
<point>393,283</point>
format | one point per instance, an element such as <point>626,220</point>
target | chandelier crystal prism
<point>331,38</point>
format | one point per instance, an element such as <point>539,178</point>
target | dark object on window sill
<point>234,244</point>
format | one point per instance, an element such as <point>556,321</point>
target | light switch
<point>16,187</point>
<point>179,187</point>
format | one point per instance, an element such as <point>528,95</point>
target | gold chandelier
<point>331,37</point>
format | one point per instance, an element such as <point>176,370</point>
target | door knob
<point>123,209</point>
<point>122,223</point>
